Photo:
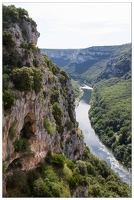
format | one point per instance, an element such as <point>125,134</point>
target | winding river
<point>93,141</point>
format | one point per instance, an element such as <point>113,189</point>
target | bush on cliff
<point>26,79</point>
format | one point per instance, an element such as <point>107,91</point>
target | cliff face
<point>34,109</point>
<point>65,56</point>
<point>93,64</point>
<point>33,115</point>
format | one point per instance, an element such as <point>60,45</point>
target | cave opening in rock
<point>29,127</point>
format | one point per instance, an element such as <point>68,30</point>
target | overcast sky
<point>80,25</point>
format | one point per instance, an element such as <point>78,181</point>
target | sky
<point>80,25</point>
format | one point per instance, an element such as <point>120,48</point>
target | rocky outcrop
<point>81,191</point>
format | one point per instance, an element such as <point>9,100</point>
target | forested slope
<point>110,115</point>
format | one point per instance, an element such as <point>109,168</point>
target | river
<point>93,141</point>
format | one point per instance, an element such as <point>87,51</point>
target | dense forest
<point>28,72</point>
<point>110,115</point>
<point>110,111</point>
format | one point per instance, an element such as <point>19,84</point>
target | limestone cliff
<point>64,57</point>
<point>26,117</point>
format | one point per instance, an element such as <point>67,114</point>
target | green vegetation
<point>110,116</point>
<point>58,114</point>
<point>9,96</point>
<point>8,39</point>
<point>15,15</point>
<point>12,132</point>
<point>58,160</point>
<point>22,145</point>
<point>54,95</point>
<point>37,80</point>
<point>36,62</point>
<point>52,67</point>
<point>59,177</point>
<point>26,79</point>
<point>10,55</point>
<point>22,78</point>
<point>48,126</point>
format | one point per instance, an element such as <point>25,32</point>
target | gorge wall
<point>45,117</point>
<point>93,64</point>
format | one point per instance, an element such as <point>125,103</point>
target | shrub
<point>8,98</point>
<point>36,62</point>
<point>58,160</point>
<point>17,180</point>
<point>64,73</point>
<point>22,78</point>
<point>10,12</point>
<point>31,177</point>
<point>22,13</point>
<point>10,59</point>
<point>95,190</point>
<point>82,167</point>
<point>26,79</point>
<point>90,169</point>
<point>62,79</point>
<point>22,145</point>
<point>8,39</point>
<point>41,189</point>
<point>74,181</point>
<point>50,175</point>
<point>69,125</point>
<point>48,158</point>
<point>37,80</point>
<point>54,96</point>
<point>48,126</point>
<point>57,113</point>
<point>70,164</point>
<point>56,190</point>
<point>12,132</point>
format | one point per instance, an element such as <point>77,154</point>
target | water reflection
<point>93,141</point>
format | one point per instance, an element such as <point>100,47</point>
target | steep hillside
<point>110,115</point>
<point>110,111</point>
<point>85,65</point>
<point>44,154</point>
<point>38,99</point>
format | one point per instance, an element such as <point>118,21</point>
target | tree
<point>58,160</point>
<point>41,189</point>
<point>82,167</point>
